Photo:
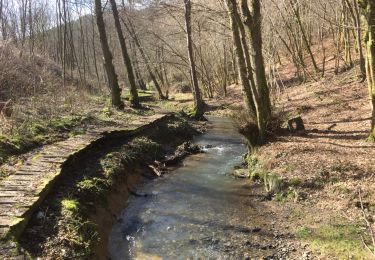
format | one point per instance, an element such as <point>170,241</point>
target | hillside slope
<point>326,167</point>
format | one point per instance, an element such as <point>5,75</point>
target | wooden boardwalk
<point>22,193</point>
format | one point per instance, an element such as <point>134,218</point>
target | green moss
<point>36,134</point>
<point>143,145</point>
<point>175,106</point>
<point>65,123</point>
<point>371,137</point>
<point>70,206</point>
<point>91,188</point>
<point>295,182</point>
<point>79,233</point>
<point>112,165</point>
<point>45,182</point>
<point>289,194</point>
<point>107,111</point>
<point>303,232</point>
<point>258,175</point>
<point>38,128</point>
<point>340,241</point>
<point>143,96</point>
<point>253,162</point>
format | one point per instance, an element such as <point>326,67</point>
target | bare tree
<point>130,28</point>
<point>252,20</point>
<point>368,9</point>
<point>198,102</point>
<point>134,100</point>
<point>110,69</point>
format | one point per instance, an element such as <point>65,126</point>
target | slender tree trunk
<point>131,30</point>
<point>198,102</point>
<point>243,70</point>
<point>303,33</point>
<point>134,100</point>
<point>2,20</point>
<point>65,32</point>
<point>110,69</point>
<point>225,71</point>
<point>140,82</point>
<point>354,11</point>
<point>93,40</point>
<point>23,16</point>
<point>246,52</point>
<point>31,29</point>
<point>368,7</point>
<point>165,72</point>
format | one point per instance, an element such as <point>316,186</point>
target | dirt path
<point>22,192</point>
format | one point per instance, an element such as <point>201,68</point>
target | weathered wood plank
<point>22,192</point>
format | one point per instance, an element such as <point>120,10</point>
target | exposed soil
<point>54,233</point>
<point>326,166</point>
<point>330,162</point>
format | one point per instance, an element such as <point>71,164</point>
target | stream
<point>197,211</point>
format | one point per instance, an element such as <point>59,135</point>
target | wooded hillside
<point>296,76</point>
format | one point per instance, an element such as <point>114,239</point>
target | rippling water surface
<point>196,211</point>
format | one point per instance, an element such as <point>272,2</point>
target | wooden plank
<point>18,192</point>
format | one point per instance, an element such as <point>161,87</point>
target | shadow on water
<point>193,212</point>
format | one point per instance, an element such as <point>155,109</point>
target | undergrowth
<point>278,188</point>
<point>36,134</point>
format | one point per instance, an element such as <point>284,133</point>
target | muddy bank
<point>200,211</point>
<point>75,219</point>
<point>106,214</point>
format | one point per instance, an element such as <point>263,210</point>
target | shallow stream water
<point>197,211</point>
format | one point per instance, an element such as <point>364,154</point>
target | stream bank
<point>74,220</point>
<point>201,211</point>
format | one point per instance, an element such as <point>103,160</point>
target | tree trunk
<point>303,33</point>
<point>134,100</point>
<point>369,15</point>
<point>138,76</point>
<point>93,40</point>
<point>253,24</point>
<point>198,102</point>
<point>31,29</point>
<point>3,20</point>
<point>354,11</point>
<point>243,70</point>
<point>254,133</point>
<point>109,68</point>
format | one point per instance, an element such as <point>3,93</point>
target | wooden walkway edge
<point>23,192</point>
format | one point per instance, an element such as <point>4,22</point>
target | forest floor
<point>328,168</point>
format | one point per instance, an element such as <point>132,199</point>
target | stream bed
<point>197,211</point>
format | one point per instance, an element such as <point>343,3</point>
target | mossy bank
<point>75,220</point>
